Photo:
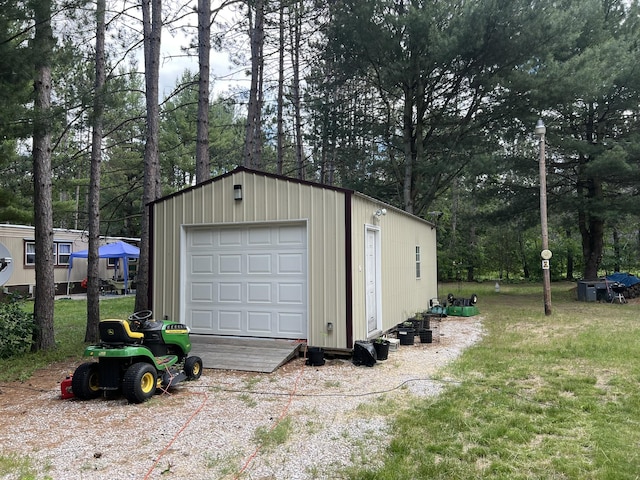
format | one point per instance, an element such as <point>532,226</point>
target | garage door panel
<point>291,263</point>
<point>202,264</point>
<point>259,263</point>
<point>290,323</point>
<point>202,292</point>
<point>201,320</point>
<point>259,323</point>
<point>291,293</point>
<point>291,235</point>
<point>259,236</point>
<point>251,280</point>
<point>230,292</point>
<point>229,237</point>
<point>229,264</point>
<point>259,293</point>
<point>202,238</point>
<point>230,321</point>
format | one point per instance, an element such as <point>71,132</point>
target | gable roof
<point>241,169</point>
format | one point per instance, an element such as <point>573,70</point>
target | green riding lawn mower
<point>136,358</point>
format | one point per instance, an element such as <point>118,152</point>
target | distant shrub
<point>16,329</point>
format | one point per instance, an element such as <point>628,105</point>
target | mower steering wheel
<point>140,316</point>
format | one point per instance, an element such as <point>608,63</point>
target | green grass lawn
<point>70,321</point>
<point>540,397</point>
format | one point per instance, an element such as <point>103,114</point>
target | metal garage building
<point>252,254</point>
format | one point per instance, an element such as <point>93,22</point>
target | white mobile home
<point>19,241</point>
<point>253,254</point>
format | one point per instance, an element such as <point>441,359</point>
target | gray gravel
<point>207,429</point>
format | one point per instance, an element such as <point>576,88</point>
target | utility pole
<point>546,253</point>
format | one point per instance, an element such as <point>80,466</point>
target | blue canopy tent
<point>118,250</point>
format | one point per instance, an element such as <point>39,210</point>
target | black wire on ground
<point>232,390</point>
<point>363,394</point>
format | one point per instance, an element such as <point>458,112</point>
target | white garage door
<point>247,281</point>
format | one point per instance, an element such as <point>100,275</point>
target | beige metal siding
<point>401,293</point>
<point>265,199</point>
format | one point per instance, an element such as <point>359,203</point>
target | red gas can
<point>65,387</point>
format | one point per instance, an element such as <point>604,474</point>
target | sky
<point>173,64</point>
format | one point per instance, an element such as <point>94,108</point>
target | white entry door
<point>246,280</point>
<point>372,280</point>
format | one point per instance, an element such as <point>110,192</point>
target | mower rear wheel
<point>85,382</point>
<point>193,367</point>
<point>139,383</point>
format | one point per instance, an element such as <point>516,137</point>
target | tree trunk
<point>43,44</point>
<point>592,247</point>
<point>616,251</point>
<point>295,33</point>
<point>203,168</point>
<point>570,261</point>
<point>92,333</point>
<point>279,113</point>
<point>253,141</point>
<point>152,27</point>
<point>523,255</point>
<point>471,254</point>
<point>408,140</point>
<point>455,210</point>
<point>589,189</point>
<point>591,231</point>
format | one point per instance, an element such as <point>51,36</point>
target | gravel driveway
<point>207,429</point>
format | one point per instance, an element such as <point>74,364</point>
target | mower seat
<point>118,332</point>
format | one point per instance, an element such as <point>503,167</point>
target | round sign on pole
<point>546,254</point>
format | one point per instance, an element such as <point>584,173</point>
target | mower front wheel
<point>139,383</point>
<point>193,367</point>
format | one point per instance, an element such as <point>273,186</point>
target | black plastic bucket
<point>315,356</point>
<point>382,349</point>
<point>426,336</point>
<point>406,334</point>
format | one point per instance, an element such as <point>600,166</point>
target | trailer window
<point>64,253</point>
<point>30,253</point>
<point>61,253</point>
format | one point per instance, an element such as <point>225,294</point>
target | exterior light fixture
<point>381,211</point>
<point>237,192</point>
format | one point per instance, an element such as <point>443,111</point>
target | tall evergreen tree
<point>253,137</point>
<point>436,77</point>
<point>92,333</point>
<point>152,27</point>
<point>16,85</point>
<point>592,97</point>
<point>203,169</point>
<point>43,46</point>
